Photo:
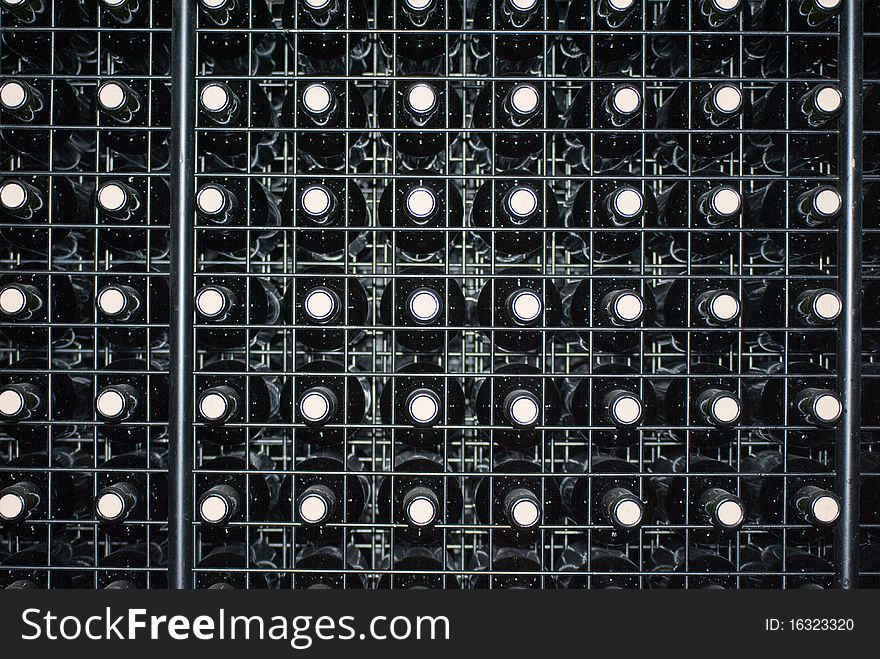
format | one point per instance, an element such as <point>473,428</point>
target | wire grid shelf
<point>477,548</point>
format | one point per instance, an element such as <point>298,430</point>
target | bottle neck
<point>717,407</point>
<point>421,506</point>
<point>318,406</point>
<point>423,408</point>
<point>20,402</point>
<point>117,502</point>
<point>118,100</point>
<point>819,407</point>
<point>20,301</point>
<point>316,505</point>
<point>817,506</point>
<point>622,409</point>
<point>26,11</point>
<point>119,201</point>
<point>222,12</point>
<point>219,103</point>
<point>819,306</point>
<point>21,100</point>
<point>118,302</point>
<point>522,409</point>
<point>19,501</point>
<point>720,206</point>
<point>820,207</point>
<point>118,402</point>
<point>622,508</point>
<point>623,308</point>
<point>719,308</point>
<point>522,508</point>
<point>821,105</point>
<point>124,11</point>
<point>218,205</point>
<point>723,510</point>
<point>220,505</point>
<point>215,303</point>
<point>218,405</point>
<point>20,199</point>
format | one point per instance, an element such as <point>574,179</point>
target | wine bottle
<point>126,108</point>
<point>430,112</point>
<point>800,215</point>
<point>797,404</point>
<point>530,305</point>
<point>796,491</point>
<point>517,501</point>
<point>425,33</point>
<point>232,51</point>
<point>232,401</point>
<point>313,114</point>
<point>507,568</point>
<point>131,404</point>
<point>38,309</point>
<point>608,216</point>
<point>31,497</point>
<point>226,297</point>
<point>250,567</point>
<point>616,44</point>
<point>30,568</point>
<point>329,567</point>
<point>139,566</point>
<point>706,35</point>
<point>519,32</point>
<point>329,47</point>
<point>424,298</point>
<point>132,306</point>
<point>128,496</point>
<point>54,105</point>
<point>416,567</point>
<point>27,206</point>
<point>702,311</point>
<point>137,33</point>
<point>604,491</point>
<point>802,570</point>
<point>39,402</point>
<point>420,493</point>
<point>796,125</point>
<point>313,303</point>
<point>616,308</point>
<point>579,557</point>
<point>519,111</point>
<point>327,215</point>
<point>707,503</point>
<point>702,570</point>
<point>417,399</point>
<point>613,397</point>
<point>700,403</point>
<point>30,33</point>
<point>238,124</point>
<point>411,206</point>
<point>705,118</point>
<point>322,502</point>
<point>799,309</point>
<point>236,216</point>
<point>326,404</point>
<point>607,135</point>
<point>514,215</point>
<point>515,401</point>
<point>134,212</point>
<point>702,217</point>
<point>234,488</point>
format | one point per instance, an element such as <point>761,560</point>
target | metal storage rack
<point>467,356</point>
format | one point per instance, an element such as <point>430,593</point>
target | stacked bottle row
<point>786,127</point>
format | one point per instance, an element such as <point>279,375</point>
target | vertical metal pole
<point>180,530</point>
<point>849,357</point>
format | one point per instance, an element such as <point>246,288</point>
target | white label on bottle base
<point>726,201</point>
<point>13,195</point>
<point>627,410</point>
<point>112,197</point>
<point>12,300</point>
<point>730,513</point>
<point>319,304</point>
<point>826,509</point>
<point>421,98</point>
<point>423,408</point>
<point>525,99</point>
<point>424,305</point>
<point>317,98</point>
<point>211,200</point>
<point>111,96</point>
<point>525,513</point>
<point>629,307</point>
<point>316,200</point>
<point>110,506</point>
<point>627,99</point>
<point>110,403</point>
<point>827,408</point>
<point>526,306</point>
<point>828,202</point>
<point>12,95</point>
<point>11,402</point>
<point>313,509</point>
<point>628,202</point>
<point>728,98</point>
<point>213,509</point>
<point>213,406</point>
<point>11,506</point>
<point>726,409</point>
<point>421,511</point>
<point>314,406</point>
<point>829,99</point>
<point>524,411</point>
<point>724,307</point>
<point>211,302</point>
<point>828,306</point>
<point>111,301</point>
<point>420,203</point>
<point>628,513</point>
<point>522,202</point>
<point>214,97</point>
